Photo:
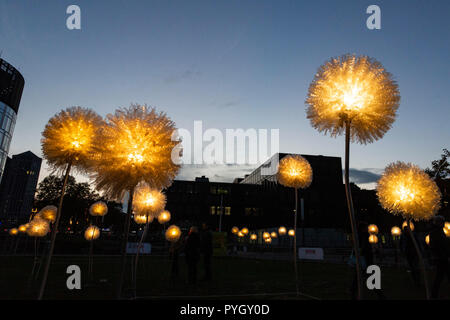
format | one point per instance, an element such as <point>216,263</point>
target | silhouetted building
<point>18,187</point>
<point>11,88</point>
<point>259,201</point>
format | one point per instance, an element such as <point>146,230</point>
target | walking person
<point>439,253</point>
<point>192,251</point>
<point>207,250</point>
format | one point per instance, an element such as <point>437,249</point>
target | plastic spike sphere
<point>291,232</point>
<point>407,190</point>
<point>282,231</point>
<point>148,201</point>
<point>294,171</point>
<point>173,233</point>
<point>164,217</point>
<point>354,88</point>
<point>98,209</point>
<point>234,230</point>
<point>38,228</point>
<point>13,231</point>
<point>92,233</point>
<point>49,213</point>
<point>142,219</point>
<point>373,229</point>
<point>411,225</point>
<point>373,238</point>
<point>396,231</point>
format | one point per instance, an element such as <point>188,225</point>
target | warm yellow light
<point>244,231</point>
<point>268,240</point>
<point>373,229</point>
<point>234,230</point>
<point>447,225</point>
<point>253,237</point>
<point>148,201</point>
<point>135,144</point>
<point>407,190</point>
<point>240,234</point>
<point>373,238</point>
<point>38,228</point>
<point>396,231</point>
<point>291,232</point>
<point>164,217</point>
<point>411,225</point>
<point>266,235</point>
<point>69,137</point>
<point>173,233</point>
<point>273,234</point>
<point>48,213</point>
<point>13,231</point>
<point>142,218</point>
<point>447,232</point>
<point>354,88</point>
<point>282,231</point>
<point>427,239</point>
<point>92,233</point>
<point>22,228</point>
<point>294,171</point>
<point>98,208</point>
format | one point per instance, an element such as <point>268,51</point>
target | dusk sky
<point>231,64</point>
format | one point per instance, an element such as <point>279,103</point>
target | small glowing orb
<point>411,225</point>
<point>396,231</point>
<point>407,190</point>
<point>164,217</point>
<point>92,233</point>
<point>22,228</point>
<point>291,232</point>
<point>49,213</point>
<point>266,235</point>
<point>234,230</point>
<point>38,228</point>
<point>268,240</point>
<point>244,231</point>
<point>273,235</point>
<point>282,231</point>
<point>13,231</point>
<point>98,208</point>
<point>427,239</point>
<point>447,225</point>
<point>173,233</point>
<point>240,234</point>
<point>373,229</point>
<point>253,236</point>
<point>294,171</point>
<point>447,232</point>
<point>142,218</point>
<point>373,238</point>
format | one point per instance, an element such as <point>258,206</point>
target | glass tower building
<point>11,88</point>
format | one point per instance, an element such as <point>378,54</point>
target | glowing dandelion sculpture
<point>291,233</point>
<point>355,95</point>
<point>92,233</point>
<point>395,231</point>
<point>266,235</point>
<point>234,230</point>
<point>282,231</point>
<point>373,229</point>
<point>404,189</point>
<point>148,201</point>
<point>38,228</point>
<point>273,235</point>
<point>164,217</point>
<point>134,145</point>
<point>411,225</point>
<point>23,228</point>
<point>294,171</point>
<point>373,239</point>
<point>244,231</point>
<point>98,209</point>
<point>13,232</point>
<point>173,233</point>
<point>67,142</point>
<point>253,237</point>
<point>49,213</point>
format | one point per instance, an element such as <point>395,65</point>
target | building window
<point>213,210</point>
<point>227,211</point>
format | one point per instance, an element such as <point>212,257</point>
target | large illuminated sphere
<point>148,201</point>
<point>69,137</point>
<point>48,213</point>
<point>354,88</point>
<point>411,225</point>
<point>92,233</point>
<point>142,218</point>
<point>373,238</point>
<point>407,190</point>
<point>253,236</point>
<point>173,233</point>
<point>135,145</point>
<point>273,234</point>
<point>98,209</point>
<point>373,229</point>
<point>234,230</point>
<point>396,231</point>
<point>244,231</point>
<point>38,228</point>
<point>294,171</point>
<point>164,217</point>
<point>13,231</point>
<point>291,232</point>
<point>282,231</point>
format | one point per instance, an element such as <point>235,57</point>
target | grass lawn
<point>231,276</point>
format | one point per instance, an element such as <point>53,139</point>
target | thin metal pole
<point>351,210</point>
<point>124,243</point>
<point>295,241</point>
<point>421,261</point>
<point>54,232</point>
<point>144,234</point>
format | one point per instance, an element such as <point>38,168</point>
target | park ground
<point>233,278</point>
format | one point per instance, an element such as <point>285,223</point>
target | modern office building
<point>11,88</point>
<point>18,187</point>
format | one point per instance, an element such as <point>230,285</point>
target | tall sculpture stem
<point>295,241</point>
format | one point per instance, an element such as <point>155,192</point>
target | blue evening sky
<point>231,64</point>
